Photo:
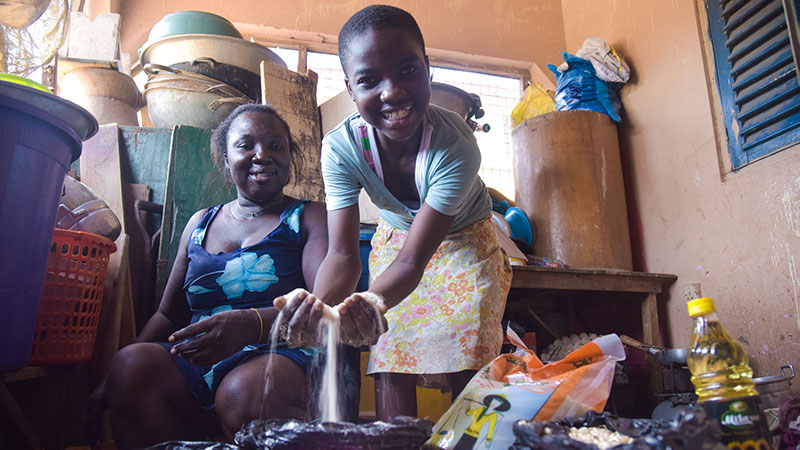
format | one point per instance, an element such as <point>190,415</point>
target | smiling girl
<point>435,262</point>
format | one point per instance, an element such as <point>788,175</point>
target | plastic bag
<point>690,430</point>
<point>518,386</point>
<point>536,101</point>
<point>401,432</point>
<point>607,63</point>
<point>188,445</point>
<point>580,88</point>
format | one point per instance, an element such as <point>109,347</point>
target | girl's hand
<point>301,312</point>
<point>362,319</point>
<point>211,340</point>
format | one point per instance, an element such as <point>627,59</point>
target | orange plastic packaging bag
<point>518,386</point>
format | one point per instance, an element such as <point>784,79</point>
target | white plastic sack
<point>608,64</point>
<point>518,386</point>
<point>21,13</point>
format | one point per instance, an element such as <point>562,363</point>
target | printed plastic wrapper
<point>536,101</point>
<point>580,88</point>
<point>401,432</point>
<point>543,261</point>
<point>518,386</point>
<point>690,430</point>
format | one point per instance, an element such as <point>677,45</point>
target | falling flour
<point>328,406</point>
<point>328,403</point>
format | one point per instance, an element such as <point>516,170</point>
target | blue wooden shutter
<point>756,76</point>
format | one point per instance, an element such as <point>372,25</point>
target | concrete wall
<point>511,29</point>
<point>736,234</point>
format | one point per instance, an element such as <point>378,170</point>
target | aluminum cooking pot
<point>223,49</point>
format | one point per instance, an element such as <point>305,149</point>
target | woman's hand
<point>301,312</point>
<point>362,319</point>
<point>211,340</point>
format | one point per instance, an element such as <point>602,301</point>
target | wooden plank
<point>534,277</point>
<point>651,335</point>
<point>294,96</point>
<point>127,326</point>
<point>141,264</point>
<point>194,182</point>
<point>100,169</point>
<point>107,340</point>
<point>145,158</point>
<point>650,320</point>
<point>9,404</point>
<point>30,373</point>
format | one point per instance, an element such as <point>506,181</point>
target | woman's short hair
<point>219,138</point>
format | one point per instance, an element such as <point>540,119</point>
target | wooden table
<point>644,286</point>
<point>532,285</point>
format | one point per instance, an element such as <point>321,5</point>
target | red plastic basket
<point>69,308</point>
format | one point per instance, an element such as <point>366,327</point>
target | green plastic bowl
<point>16,79</point>
<point>192,22</point>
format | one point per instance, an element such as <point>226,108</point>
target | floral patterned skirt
<point>451,322</point>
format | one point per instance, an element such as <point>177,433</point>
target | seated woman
<point>198,366</point>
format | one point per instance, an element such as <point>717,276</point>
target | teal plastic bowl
<point>192,22</point>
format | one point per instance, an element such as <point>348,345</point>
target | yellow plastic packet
<point>536,101</point>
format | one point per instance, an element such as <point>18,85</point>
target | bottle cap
<point>700,306</point>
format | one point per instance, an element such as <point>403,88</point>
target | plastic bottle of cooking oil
<point>723,380</point>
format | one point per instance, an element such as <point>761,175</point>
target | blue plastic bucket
<point>40,135</point>
<point>364,247</point>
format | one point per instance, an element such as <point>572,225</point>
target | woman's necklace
<point>249,215</point>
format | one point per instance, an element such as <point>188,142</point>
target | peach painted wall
<point>737,234</point>
<point>511,29</point>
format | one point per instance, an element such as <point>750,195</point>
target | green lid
<point>23,81</point>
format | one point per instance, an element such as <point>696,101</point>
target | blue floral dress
<point>249,277</point>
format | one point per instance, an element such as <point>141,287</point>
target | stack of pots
<point>199,69</point>
<point>110,95</point>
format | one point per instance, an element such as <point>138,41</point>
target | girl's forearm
<point>398,281</point>
<point>337,277</point>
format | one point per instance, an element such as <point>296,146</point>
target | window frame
<point>726,113</point>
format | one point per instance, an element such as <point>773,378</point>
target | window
<point>756,76</point>
<point>498,96</point>
<point>331,76</point>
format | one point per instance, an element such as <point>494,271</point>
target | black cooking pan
<point>244,80</point>
<point>665,356</point>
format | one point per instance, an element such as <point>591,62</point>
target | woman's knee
<point>135,370</point>
<point>246,394</point>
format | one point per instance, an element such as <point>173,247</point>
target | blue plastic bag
<point>580,88</point>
